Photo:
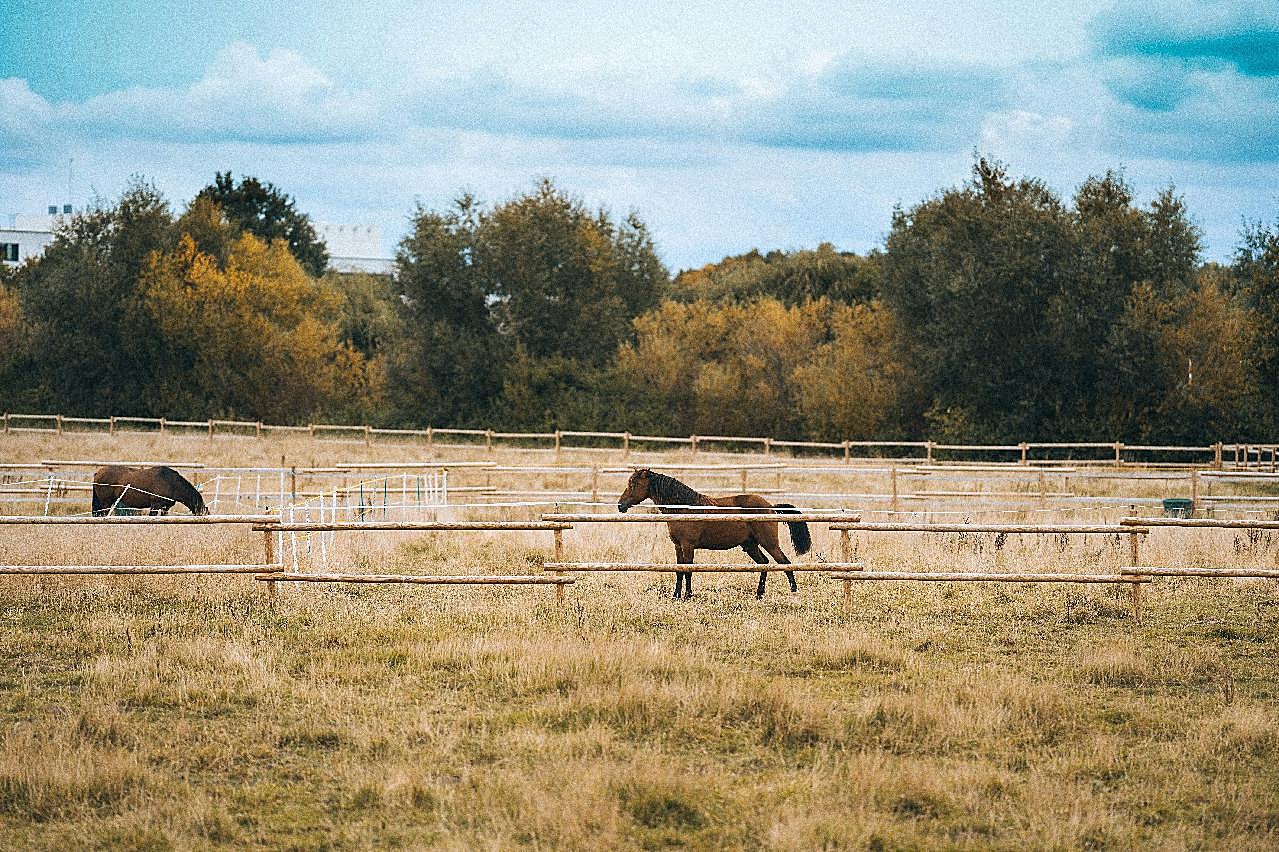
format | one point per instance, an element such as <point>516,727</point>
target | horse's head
<point>636,489</point>
<point>196,503</point>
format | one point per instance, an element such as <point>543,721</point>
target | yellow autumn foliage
<point>256,337</point>
<point>822,369</point>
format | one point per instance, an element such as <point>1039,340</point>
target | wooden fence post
<point>59,422</point>
<point>268,539</point>
<point>1216,456</point>
<point>111,426</point>
<point>1025,448</point>
<point>368,435</point>
<point>258,429</point>
<point>1134,553</point>
<point>6,423</point>
<point>692,439</point>
<point>559,557</point>
<point>1119,448</point>
<point>1194,491</point>
<point>744,472</point>
<point>768,446</point>
<point>558,435</point>
<point>929,452</point>
<point>488,440</point>
<point>430,437</point>
<point>626,445</point>
<point>595,483</point>
<point>848,452</point>
<point>210,428</point>
<point>846,555</point>
<point>893,476</point>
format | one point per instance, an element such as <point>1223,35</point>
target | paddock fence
<point>269,564</point>
<point>1260,455</point>
<point>304,571</point>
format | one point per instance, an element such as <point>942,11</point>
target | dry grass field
<point>156,713</point>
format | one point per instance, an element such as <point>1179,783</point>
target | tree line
<point>994,311</point>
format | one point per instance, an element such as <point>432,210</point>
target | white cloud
<point>242,97</point>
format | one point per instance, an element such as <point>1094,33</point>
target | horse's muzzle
<point>622,507</point>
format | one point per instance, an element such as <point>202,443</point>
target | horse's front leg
<point>684,555</point>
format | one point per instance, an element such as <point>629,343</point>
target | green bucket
<point>1178,507</point>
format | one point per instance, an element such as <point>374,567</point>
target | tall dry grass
<point>187,713</point>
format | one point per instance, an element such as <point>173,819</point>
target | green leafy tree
<point>1027,318</point>
<point>793,277</point>
<point>507,309</point>
<point>266,211</point>
<point>99,350</point>
<point>1256,267</point>
<point>968,275</point>
<point>566,281</point>
<point>447,368</point>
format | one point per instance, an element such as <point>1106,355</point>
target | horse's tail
<point>798,529</point>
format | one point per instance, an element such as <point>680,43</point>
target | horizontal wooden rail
<point>690,517</point>
<point>701,568</point>
<point>1019,529</point>
<point>999,495</point>
<point>413,465</point>
<point>456,526</point>
<point>1164,571</point>
<point>1202,523</point>
<point>981,576</point>
<point>423,579</point>
<point>697,467</point>
<point>101,462</point>
<point>1011,468</point>
<point>135,520</point>
<point>135,569</point>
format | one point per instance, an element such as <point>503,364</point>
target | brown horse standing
<point>155,489</point>
<point>674,497</point>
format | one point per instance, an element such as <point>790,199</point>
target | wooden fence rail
<point>423,579</point>
<point>1244,454</point>
<point>1202,523</point>
<point>694,517</point>
<point>1165,571</point>
<point>59,570</point>
<point>134,520</point>
<point>140,570</point>
<point>276,527</point>
<point>1134,534</point>
<point>702,568</point>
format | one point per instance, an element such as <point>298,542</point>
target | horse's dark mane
<point>669,491</point>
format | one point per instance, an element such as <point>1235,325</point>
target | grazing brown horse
<point>155,489</point>
<point>674,497</point>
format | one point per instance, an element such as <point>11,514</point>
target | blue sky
<point>727,126</point>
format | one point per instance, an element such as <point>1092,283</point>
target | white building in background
<point>355,248</point>
<point>23,236</point>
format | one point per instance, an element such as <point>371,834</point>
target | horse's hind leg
<point>753,551</point>
<point>775,550</point>
<point>683,579</point>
